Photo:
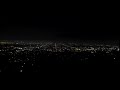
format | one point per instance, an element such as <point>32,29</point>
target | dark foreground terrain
<point>37,57</point>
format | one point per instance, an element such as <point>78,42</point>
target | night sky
<point>88,25</point>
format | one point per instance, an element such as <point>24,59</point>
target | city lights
<point>32,55</point>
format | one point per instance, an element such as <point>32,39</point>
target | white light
<point>118,49</point>
<point>21,70</point>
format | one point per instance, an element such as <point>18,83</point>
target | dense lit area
<point>35,56</point>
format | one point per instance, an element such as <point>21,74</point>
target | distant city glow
<point>31,53</point>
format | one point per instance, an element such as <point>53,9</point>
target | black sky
<point>96,24</point>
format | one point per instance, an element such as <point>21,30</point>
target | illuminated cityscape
<point>29,56</point>
<point>63,42</point>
